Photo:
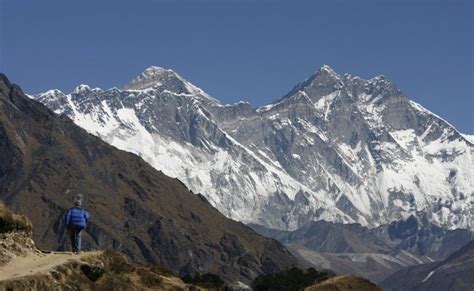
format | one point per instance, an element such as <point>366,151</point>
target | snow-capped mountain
<point>336,147</point>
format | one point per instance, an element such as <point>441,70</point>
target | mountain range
<point>337,147</point>
<point>453,273</point>
<point>373,253</point>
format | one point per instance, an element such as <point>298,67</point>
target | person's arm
<point>68,217</point>
<point>86,216</point>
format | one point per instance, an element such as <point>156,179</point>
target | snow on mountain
<point>159,77</point>
<point>469,137</point>
<point>336,147</point>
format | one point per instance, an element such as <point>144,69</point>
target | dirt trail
<point>35,263</point>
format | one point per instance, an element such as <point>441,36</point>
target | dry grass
<point>13,222</point>
<point>15,235</point>
<point>344,283</point>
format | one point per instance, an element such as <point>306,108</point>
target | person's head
<point>78,203</point>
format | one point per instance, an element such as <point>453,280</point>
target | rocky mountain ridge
<point>372,253</point>
<point>453,273</point>
<point>336,147</point>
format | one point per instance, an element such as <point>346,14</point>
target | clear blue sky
<point>245,50</point>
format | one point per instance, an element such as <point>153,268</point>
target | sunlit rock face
<point>336,147</point>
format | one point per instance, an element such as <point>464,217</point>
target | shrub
<point>93,273</point>
<point>117,262</point>
<point>13,222</point>
<point>291,279</point>
<point>208,280</point>
<point>148,278</point>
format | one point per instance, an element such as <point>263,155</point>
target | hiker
<point>76,221</point>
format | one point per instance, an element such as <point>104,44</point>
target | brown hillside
<point>91,271</point>
<point>24,267</point>
<point>344,283</point>
<point>134,208</point>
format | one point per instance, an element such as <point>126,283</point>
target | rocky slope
<point>45,159</point>
<point>336,147</point>
<point>24,267</point>
<point>371,253</point>
<point>106,271</point>
<point>453,273</point>
<point>15,235</point>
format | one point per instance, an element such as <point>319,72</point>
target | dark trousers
<point>75,236</point>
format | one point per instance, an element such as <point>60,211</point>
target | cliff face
<point>44,159</point>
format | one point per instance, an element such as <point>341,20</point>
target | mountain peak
<point>155,70</point>
<point>168,79</point>
<point>82,88</point>
<point>151,77</point>
<point>326,73</point>
<point>326,68</point>
<point>49,95</point>
<point>325,79</point>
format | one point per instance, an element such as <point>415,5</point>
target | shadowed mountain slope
<point>371,253</point>
<point>134,208</point>
<point>454,273</point>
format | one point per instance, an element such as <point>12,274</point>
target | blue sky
<point>245,50</point>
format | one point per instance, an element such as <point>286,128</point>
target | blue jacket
<point>77,217</point>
